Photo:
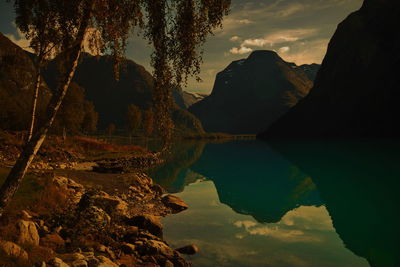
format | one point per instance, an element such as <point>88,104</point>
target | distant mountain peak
<point>263,83</point>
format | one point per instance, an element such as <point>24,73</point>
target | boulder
<point>168,263</point>
<point>53,241</point>
<point>105,262</point>
<point>71,257</point>
<point>128,248</point>
<point>158,189</point>
<point>13,250</point>
<point>110,204</point>
<point>188,250</point>
<point>131,233</point>
<point>74,189</point>
<point>79,263</point>
<point>27,233</point>
<point>57,262</point>
<point>100,248</point>
<point>152,247</point>
<point>174,203</point>
<point>95,216</point>
<point>148,222</point>
<point>25,215</point>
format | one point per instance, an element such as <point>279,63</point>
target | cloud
<point>290,10</point>
<point>240,51</point>
<point>282,36</point>
<point>245,21</point>
<point>283,49</point>
<point>255,42</point>
<point>275,231</point>
<point>274,38</point>
<point>303,224</point>
<point>235,38</point>
<point>306,52</point>
<point>245,224</point>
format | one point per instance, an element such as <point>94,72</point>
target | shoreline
<point>88,226</point>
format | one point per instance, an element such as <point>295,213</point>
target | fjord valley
<point>203,133</point>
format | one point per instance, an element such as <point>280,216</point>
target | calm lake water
<point>289,204</point>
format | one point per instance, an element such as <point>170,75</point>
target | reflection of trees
<point>358,181</point>
<point>253,179</point>
<point>173,175</point>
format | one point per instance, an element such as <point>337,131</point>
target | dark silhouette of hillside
<point>251,93</point>
<point>111,97</point>
<point>356,91</point>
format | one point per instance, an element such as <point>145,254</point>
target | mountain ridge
<point>251,93</point>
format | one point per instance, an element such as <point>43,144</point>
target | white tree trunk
<point>17,173</point>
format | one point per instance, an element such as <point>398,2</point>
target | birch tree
<point>175,28</point>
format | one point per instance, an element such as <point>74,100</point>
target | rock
<point>175,203</point>
<point>132,230</point>
<point>79,263</point>
<point>13,250</point>
<point>128,248</point>
<point>168,263</point>
<point>158,189</point>
<point>110,204</point>
<point>105,262</point>
<point>25,215</point>
<point>88,254</point>
<point>74,189</point>
<point>27,233</point>
<point>188,250</point>
<point>100,248</point>
<point>53,241</point>
<point>156,247</point>
<point>57,262</point>
<point>146,235</point>
<point>148,222</point>
<point>71,257</point>
<point>131,234</point>
<point>92,261</point>
<point>96,217</point>
<point>57,229</point>
<point>110,253</point>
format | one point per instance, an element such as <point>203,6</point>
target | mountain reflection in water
<point>285,191</point>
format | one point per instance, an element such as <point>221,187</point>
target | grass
<point>36,193</point>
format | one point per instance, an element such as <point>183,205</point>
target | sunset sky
<point>299,30</point>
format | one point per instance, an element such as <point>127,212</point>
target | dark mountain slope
<point>112,97</point>
<point>251,93</point>
<point>357,89</point>
<point>17,82</point>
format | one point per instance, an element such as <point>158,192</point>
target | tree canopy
<point>175,28</point>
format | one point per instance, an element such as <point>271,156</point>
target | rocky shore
<point>94,228</point>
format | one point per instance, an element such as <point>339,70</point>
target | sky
<point>298,30</point>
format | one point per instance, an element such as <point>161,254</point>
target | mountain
<point>251,93</point>
<point>356,91</point>
<point>112,97</point>
<point>185,99</point>
<point>17,82</point>
<point>310,70</point>
<point>192,98</point>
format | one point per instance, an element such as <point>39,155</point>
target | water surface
<point>289,204</point>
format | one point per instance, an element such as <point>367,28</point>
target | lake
<point>285,204</point>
